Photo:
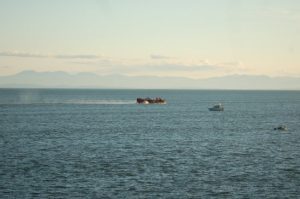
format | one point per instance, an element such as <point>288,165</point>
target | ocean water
<point>100,144</point>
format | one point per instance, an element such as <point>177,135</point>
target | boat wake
<point>87,102</point>
<point>108,102</point>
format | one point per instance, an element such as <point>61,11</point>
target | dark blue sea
<point>85,143</point>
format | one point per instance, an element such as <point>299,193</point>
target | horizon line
<point>125,75</point>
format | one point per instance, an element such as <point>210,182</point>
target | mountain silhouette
<point>32,79</point>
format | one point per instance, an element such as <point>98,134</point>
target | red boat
<point>148,100</point>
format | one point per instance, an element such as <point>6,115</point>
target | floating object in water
<point>148,100</point>
<point>217,107</point>
<point>281,128</point>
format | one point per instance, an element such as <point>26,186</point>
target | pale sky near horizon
<point>189,38</point>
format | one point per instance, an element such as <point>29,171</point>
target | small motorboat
<point>217,107</point>
<point>148,100</point>
<point>281,128</point>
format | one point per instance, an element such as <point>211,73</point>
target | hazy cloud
<point>22,54</point>
<point>163,66</point>
<point>83,56</point>
<point>57,56</point>
<point>181,67</point>
<point>159,57</point>
<point>157,65</point>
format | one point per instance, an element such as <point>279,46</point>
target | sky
<point>182,38</point>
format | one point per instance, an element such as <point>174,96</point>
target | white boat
<point>217,107</point>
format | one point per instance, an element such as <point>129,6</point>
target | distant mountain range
<point>32,79</point>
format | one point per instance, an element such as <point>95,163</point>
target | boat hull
<point>216,109</point>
